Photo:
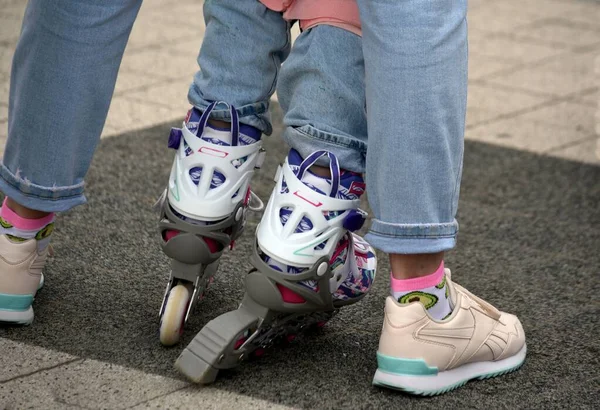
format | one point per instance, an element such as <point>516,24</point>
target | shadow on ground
<point>529,244</point>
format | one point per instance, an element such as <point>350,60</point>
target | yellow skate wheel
<point>172,320</point>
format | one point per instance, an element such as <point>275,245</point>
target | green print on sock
<point>427,299</point>
<point>5,224</point>
<point>45,232</point>
<point>15,238</point>
<point>442,283</point>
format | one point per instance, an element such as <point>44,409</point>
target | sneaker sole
<point>446,381</point>
<point>19,317</point>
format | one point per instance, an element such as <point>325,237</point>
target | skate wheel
<point>321,324</point>
<point>259,352</point>
<point>173,318</point>
<point>290,338</point>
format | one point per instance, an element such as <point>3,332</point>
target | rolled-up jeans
<point>390,104</point>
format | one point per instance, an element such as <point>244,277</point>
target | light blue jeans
<point>400,90</point>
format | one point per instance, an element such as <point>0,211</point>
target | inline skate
<point>307,262</point>
<point>203,209</point>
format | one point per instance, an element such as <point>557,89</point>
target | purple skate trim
<point>174,138</point>
<point>354,220</point>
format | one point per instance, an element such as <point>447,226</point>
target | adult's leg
<point>63,75</point>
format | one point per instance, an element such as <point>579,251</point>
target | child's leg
<point>243,48</point>
<point>416,82</point>
<point>218,148</point>
<point>63,75</point>
<point>308,264</point>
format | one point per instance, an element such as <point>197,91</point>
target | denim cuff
<point>46,199</point>
<point>412,238</point>
<point>351,153</point>
<point>256,115</point>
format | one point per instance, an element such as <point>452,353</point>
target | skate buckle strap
<point>235,123</point>
<point>334,168</point>
<point>175,138</point>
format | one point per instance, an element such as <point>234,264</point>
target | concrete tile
<point>519,133</point>
<point>6,55</point>
<point>4,87</point>
<point>548,8</point>
<point>560,32</point>
<point>127,115</point>
<point>476,116</point>
<point>10,27</point>
<point>3,112</point>
<point>505,48</point>
<point>548,79</point>
<point>589,18</point>
<point>587,151</point>
<point>592,98</point>
<point>163,63</point>
<point>158,28</point>
<point>211,398</point>
<point>88,384</point>
<point>172,96</point>
<point>19,359</point>
<point>490,18</point>
<point>481,66</point>
<point>130,81</point>
<point>12,8</point>
<point>497,102</point>
<point>568,115</point>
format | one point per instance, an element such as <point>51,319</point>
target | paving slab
<point>586,151</point>
<point>21,360</point>
<point>499,102</point>
<point>561,32</point>
<point>86,384</point>
<point>517,132</point>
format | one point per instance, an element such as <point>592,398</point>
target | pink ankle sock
<point>406,285</point>
<point>21,223</point>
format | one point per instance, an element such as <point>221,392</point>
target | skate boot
<point>203,210</point>
<point>23,254</point>
<point>307,265</point>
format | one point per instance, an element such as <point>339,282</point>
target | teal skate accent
<point>175,191</point>
<point>15,303</point>
<point>413,367</point>
<point>311,246</point>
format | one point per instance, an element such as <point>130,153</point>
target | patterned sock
<point>430,290</point>
<point>19,229</point>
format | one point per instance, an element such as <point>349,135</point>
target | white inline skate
<point>203,209</point>
<point>307,265</point>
